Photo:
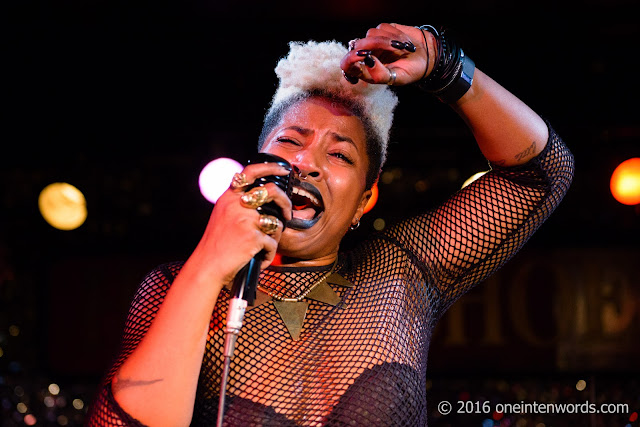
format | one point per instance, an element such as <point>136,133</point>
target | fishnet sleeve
<point>480,227</point>
<point>105,411</point>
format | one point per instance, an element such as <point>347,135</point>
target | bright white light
<point>216,177</point>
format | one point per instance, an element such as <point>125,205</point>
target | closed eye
<point>287,140</point>
<point>342,157</point>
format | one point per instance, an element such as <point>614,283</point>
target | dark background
<point>128,101</point>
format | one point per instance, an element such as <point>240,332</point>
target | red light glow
<point>625,182</point>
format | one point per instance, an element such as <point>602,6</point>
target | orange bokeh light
<point>373,199</point>
<point>625,182</point>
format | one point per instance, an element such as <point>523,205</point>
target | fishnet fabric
<point>364,361</point>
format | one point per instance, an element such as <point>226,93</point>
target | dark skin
<point>162,379</point>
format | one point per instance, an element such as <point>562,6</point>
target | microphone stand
<point>244,286</point>
<point>244,293</point>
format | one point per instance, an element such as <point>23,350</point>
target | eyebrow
<point>337,136</point>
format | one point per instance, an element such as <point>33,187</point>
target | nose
<point>305,166</point>
<point>302,174</point>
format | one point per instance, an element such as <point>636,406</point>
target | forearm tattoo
<point>530,150</point>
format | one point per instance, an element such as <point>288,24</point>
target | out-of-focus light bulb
<point>63,206</point>
<point>216,176</point>
<point>625,182</point>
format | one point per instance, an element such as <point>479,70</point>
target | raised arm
<point>482,226</point>
<point>507,131</point>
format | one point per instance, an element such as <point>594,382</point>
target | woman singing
<point>335,337</point>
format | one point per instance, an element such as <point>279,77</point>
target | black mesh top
<point>364,361</point>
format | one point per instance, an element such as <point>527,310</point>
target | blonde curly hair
<point>313,69</point>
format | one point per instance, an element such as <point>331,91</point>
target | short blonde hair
<point>314,67</point>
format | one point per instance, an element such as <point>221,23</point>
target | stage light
<point>63,206</point>
<point>373,199</point>
<point>473,178</point>
<point>625,182</point>
<point>216,176</point>
<point>78,404</point>
<point>54,389</point>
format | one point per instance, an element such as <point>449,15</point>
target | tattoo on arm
<point>122,383</point>
<point>530,150</point>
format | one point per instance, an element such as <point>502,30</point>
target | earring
<point>355,226</point>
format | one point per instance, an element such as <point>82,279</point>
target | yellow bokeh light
<point>78,404</point>
<point>625,182</point>
<point>54,389</point>
<point>379,224</point>
<point>63,206</point>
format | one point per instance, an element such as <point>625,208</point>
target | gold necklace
<point>294,310</point>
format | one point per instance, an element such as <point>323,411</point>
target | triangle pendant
<point>337,279</point>
<point>323,293</point>
<point>292,314</point>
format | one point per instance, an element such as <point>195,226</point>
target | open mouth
<point>307,206</point>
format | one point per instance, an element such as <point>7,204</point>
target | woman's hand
<point>233,235</point>
<point>395,47</point>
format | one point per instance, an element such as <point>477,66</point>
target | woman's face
<point>328,144</point>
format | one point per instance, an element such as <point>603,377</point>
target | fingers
<point>382,45</point>
<point>258,196</point>
<point>275,194</point>
<point>236,233</point>
<point>389,54</point>
<point>270,246</point>
<point>362,64</point>
<point>252,172</point>
<point>381,42</point>
<point>376,73</point>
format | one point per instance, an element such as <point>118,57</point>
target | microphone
<point>244,286</point>
<point>245,282</point>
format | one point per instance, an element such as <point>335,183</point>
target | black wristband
<point>452,74</point>
<point>457,87</point>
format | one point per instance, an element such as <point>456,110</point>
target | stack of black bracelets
<point>452,73</point>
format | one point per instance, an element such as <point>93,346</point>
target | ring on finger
<point>392,77</point>
<point>268,224</point>
<point>239,181</point>
<point>254,198</point>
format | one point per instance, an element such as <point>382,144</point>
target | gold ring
<point>254,198</point>
<point>268,224</point>
<point>239,181</point>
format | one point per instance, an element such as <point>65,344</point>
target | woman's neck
<point>286,261</point>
